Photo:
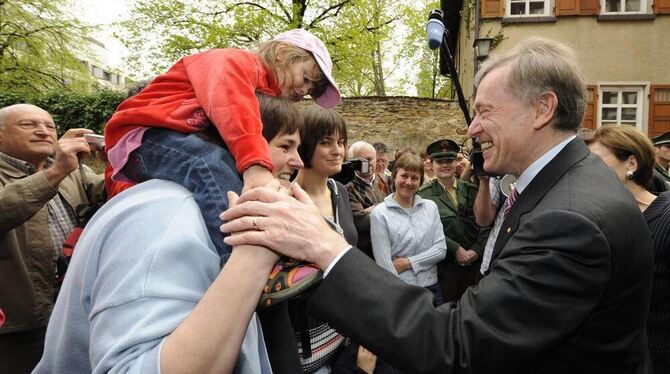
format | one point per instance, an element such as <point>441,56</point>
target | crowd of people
<point>225,245</point>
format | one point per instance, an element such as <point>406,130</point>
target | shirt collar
<point>454,185</point>
<point>392,203</point>
<point>529,174</point>
<point>23,166</point>
<point>369,184</point>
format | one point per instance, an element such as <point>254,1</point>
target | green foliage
<point>429,83</point>
<point>40,47</point>
<point>356,32</point>
<point>466,13</point>
<point>70,109</point>
<point>366,48</point>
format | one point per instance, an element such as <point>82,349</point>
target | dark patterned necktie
<point>511,200</point>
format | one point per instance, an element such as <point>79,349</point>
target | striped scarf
<point>324,343</point>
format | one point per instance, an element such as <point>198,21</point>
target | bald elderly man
<point>364,194</point>
<point>40,189</point>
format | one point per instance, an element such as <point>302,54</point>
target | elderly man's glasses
<point>34,125</point>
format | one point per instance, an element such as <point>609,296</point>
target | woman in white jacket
<point>406,232</point>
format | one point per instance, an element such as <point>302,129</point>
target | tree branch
<point>283,9</point>
<point>375,28</point>
<point>324,15</point>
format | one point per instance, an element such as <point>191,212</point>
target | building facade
<point>99,65</point>
<point>623,47</point>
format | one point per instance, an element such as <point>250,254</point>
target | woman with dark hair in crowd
<point>631,155</point>
<point>322,149</point>
<point>407,236</point>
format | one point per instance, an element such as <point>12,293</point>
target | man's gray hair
<point>538,65</point>
<point>356,147</point>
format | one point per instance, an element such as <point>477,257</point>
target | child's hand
<point>258,176</point>
<point>261,177</point>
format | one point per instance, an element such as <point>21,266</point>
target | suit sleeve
<point>480,241</point>
<point>542,288</point>
<point>452,246</point>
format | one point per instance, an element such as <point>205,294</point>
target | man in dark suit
<point>568,287</point>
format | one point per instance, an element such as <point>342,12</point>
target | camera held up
<point>349,167</point>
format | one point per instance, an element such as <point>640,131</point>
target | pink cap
<point>308,41</point>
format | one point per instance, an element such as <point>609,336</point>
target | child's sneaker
<point>289,278</point>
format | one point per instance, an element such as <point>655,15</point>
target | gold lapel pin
<point>509,229</point>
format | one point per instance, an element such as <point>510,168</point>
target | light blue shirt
<point>415,233</point>
<point>143,263</point>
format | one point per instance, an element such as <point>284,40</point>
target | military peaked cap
<point>662,139</point>
<point>444,148</point>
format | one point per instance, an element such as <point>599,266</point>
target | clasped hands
<point>465,257</point>
<point>289,225</point>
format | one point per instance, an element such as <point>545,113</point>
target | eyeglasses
<point>34,125</point>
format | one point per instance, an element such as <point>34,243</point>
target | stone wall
<point>402,121</point>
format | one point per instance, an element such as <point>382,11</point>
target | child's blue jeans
<point>200,163</point>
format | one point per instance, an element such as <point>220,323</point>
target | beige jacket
<point>26,249</point>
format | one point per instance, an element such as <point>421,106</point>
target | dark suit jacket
<point>568,290</point>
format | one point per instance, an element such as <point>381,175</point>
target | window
<point>97,72</point>
<point>621,105</point>
<point>624,7</point>
<point>528,8</point>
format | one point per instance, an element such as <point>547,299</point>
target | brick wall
<point>402,121</point>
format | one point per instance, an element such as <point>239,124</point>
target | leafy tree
<point>181,27</point>
<point>368,47</point>
<point>355,32</point>
<point>429,83</point>
<point>40,47</point>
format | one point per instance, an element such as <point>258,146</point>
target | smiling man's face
<point>503,124</point>
<point>28,133</point>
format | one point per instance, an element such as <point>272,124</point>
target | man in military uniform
<point>662,145</point>
<point>455,199</point>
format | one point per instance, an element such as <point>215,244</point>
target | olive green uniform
<point>460,229</point>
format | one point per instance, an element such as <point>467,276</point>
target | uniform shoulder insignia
<point>425,186</point>
<point>469,184</point>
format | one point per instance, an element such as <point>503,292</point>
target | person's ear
<point>280,53</point>
<point>545,108</point>
<point>631,164</point>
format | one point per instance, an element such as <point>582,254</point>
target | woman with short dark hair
<point>324,137</point>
